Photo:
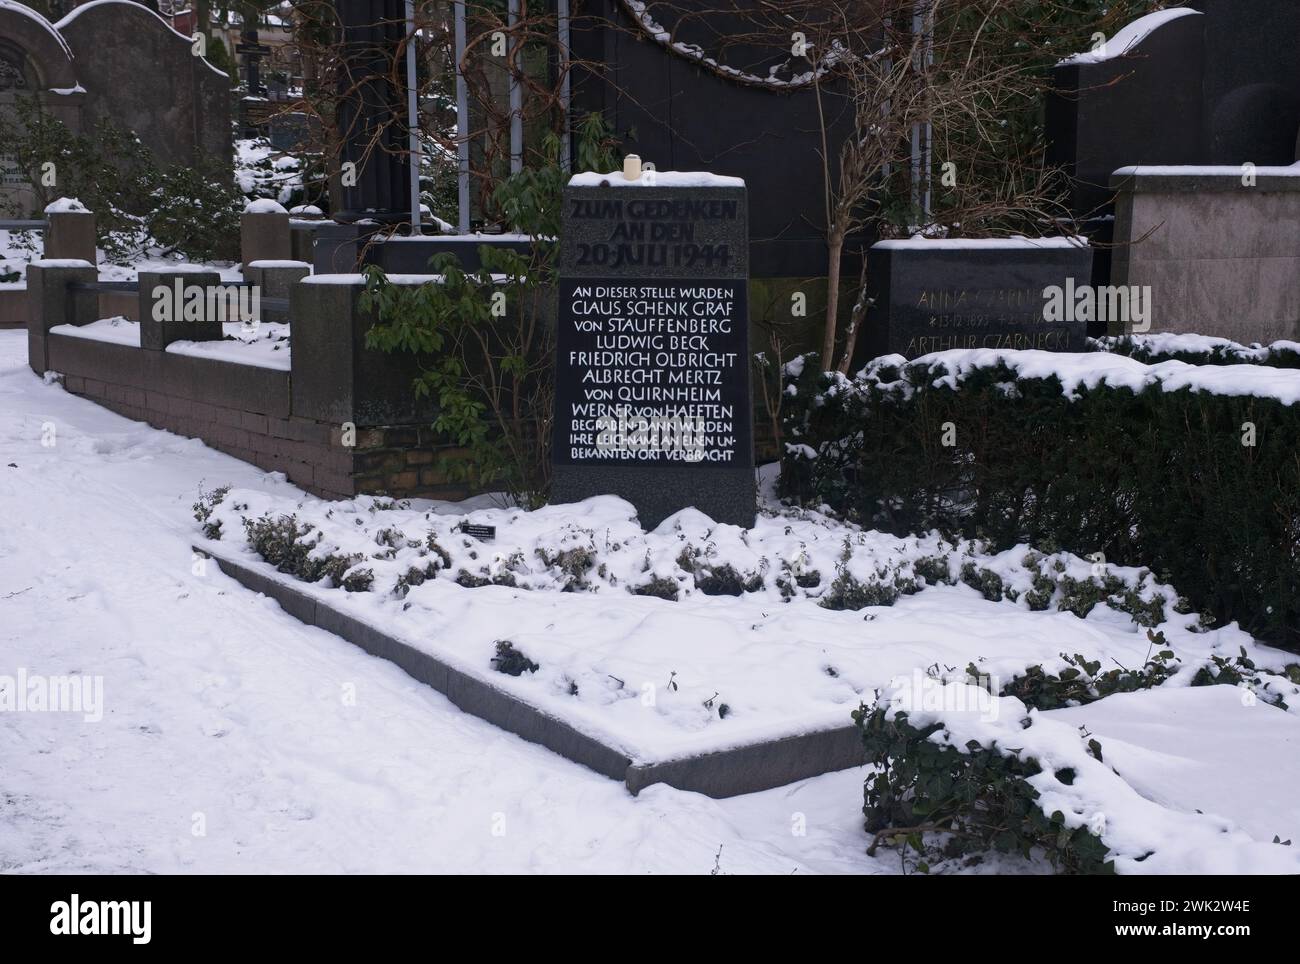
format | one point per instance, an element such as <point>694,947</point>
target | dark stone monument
<point>1216,82</point>
<point>934,295</point>
<point>654,325</point>
<point>294,131</point>
<point>372,101</point>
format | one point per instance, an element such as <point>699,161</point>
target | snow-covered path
<point>291,750</point>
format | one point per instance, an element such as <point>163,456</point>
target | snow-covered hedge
<point>1193,470</point>
<point>961,772</point>
<point>597,546</point>
<point>1198,350</point>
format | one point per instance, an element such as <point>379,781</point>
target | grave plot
<point>697,638</point>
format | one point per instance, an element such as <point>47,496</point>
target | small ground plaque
<point>652,368</point>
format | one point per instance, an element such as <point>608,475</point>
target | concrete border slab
<point>722,773</point>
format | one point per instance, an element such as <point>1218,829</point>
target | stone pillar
<point>275,279</point>
<point>334,376</point>
<point>50,303</point>
<point>264,233</point>
<point>69,234</point>
<point>163,299</point>
<point>372,107</point>
<point>691,444</point>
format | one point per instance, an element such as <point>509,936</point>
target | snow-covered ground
<point>20,248</point>
<point>829,613</point>
<point>233,738</point>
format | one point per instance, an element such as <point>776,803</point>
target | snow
<point>781,667</point>
<point>62,263</point>
<point>638,11</point>
<point>264,205</point>
<point>1091,369</point>
<point>115,331</point>
<point>652,178</point>
<point>307,211</point>
<point>51,29</point>
<point>262,344</point>
<point>237,740</point>
<point>922,243</point>
<point>273,263</point>
<point>1173,343</point>
<point>477,236</point>
<point>1142,834</point>
<point>1195,748</point>
<point>82,8</point>
<point>18,249</point>
<point>65,204</point>
<point>1129,37</point>
<point>301,753</point>
<point>1205,170</point>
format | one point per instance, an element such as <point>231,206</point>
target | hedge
<point>1146,472</point>
<point>1198,350</point>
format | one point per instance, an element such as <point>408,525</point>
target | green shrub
<point>205,506</point>
<point>660,586</point>
<point>195,211</point>
<point>1153,477</point>
<point>511,661</point>
<point>1150,352</point>
<point>976,798</point>
<point>285,543</point>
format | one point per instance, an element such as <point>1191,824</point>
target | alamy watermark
<point>189,302</point>
<point>1129,305</point>
<point>32,693</point>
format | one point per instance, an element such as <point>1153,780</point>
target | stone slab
<point>653,324</point>
<point>941,298</point>
<point>724,773</point>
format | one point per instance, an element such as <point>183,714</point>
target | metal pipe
<point>516,95</point>
<point>462,125</point>
<point>413,116</point>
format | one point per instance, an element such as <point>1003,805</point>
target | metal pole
<point>566,133</point>
<point>462,125</point>
<point>413,116</point>
<point>516,95</point>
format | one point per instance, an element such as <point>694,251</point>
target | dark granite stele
<point>730,772</point>
<point>652,244</point>
<point>932,296</point>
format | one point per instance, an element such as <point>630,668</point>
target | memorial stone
<point>653,369</point>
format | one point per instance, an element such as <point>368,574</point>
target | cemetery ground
<point>233,738</point>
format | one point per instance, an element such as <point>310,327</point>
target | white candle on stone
<point>632,167</point>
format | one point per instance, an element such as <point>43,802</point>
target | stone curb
<point>722,773</point>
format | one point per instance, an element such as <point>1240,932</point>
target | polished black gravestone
<point>934,296</point>
<point>654,324</point>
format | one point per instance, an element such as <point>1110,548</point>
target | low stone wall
<point>1217,246</point>
<point>244,411</point>
<point>339,423</point>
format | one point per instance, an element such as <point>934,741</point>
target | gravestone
<point>938,295</point>
<point>652,396</point>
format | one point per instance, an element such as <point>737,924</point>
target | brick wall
<point>244,411</point>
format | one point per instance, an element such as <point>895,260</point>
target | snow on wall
<point>133,6</point>
<point>921,243</point>
<point>1129,37</point>
<point>51,29</point>
<point>656,179</point>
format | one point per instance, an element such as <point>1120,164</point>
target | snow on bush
<point>597,546</point>
<point>1199,350</point>
<point>962,772</point>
